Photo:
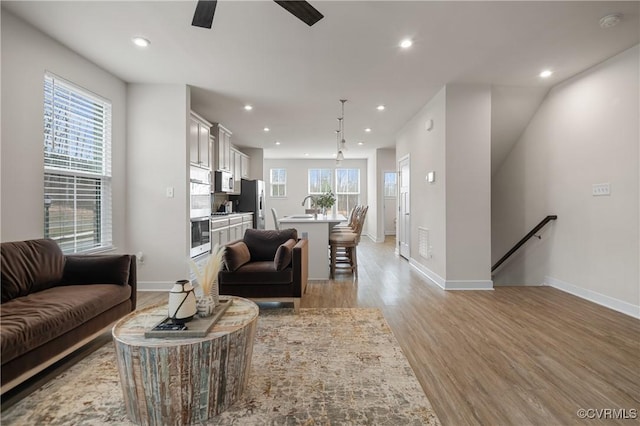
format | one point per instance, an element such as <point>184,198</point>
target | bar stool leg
<point>354,258</point>
<point>333,260</point>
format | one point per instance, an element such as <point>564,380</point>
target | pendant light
<point>341,143</point>
<point>339,155</point>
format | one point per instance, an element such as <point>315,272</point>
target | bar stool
<point>345,244</point>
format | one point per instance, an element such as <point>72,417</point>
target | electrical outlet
<point>600,189</point>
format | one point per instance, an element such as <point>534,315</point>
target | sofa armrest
<point>300,263</point>
<point>101,269</point>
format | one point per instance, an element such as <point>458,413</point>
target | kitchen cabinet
<point>247,222</point>
<point>219,231</point>
<point>199,141</point>
<point>236,170</point>
<point>235,228</point>
<point>222,160</point>
<point>244,166</point>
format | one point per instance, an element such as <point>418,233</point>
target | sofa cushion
<point>30,321</point>
<point>236,255</point>
<point>284,254</point>
<point>29,266</point>
<point>97,269</point>
<point>263,244</point>
<point>263,273</point>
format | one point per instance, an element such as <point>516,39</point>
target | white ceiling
<point>294,75</point>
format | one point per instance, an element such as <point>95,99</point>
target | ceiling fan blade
<point>301,10</point>
<point>203,17</point>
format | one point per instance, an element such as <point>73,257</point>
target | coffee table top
<point>130,329</point>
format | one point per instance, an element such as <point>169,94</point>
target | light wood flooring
<point>513,356</point>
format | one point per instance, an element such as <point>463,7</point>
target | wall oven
<point>200,236</point>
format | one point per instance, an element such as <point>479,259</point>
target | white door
<point>390,180</point>
<point>404,219</point>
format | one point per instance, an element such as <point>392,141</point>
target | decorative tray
<point>197,327</point>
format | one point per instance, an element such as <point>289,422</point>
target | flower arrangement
<point>326,200</point>
<point>208,279</point>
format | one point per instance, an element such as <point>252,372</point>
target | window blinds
<point>77,160</point>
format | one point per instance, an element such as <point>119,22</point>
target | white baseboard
<point>595,297</point>
<point>375,239</point>
<point>155,285</point>
<point>451,284</point>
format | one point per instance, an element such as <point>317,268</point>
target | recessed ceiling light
<point>306,154</point>
<point>266,129</point>
<point>406,43</point>
<point>140,41</point>
<point>360,143</point>
<point>367,130</point>
<point>334,154</point>
<point>380,107</point>
<point>610,20</point>
<point>277,143</point>
<point>248,107</point>
<point>546,73</point>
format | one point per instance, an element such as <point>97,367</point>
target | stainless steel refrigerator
<point>251,200</point>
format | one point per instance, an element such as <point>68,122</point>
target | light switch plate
<point>600,189</point>
<point>169,191</point>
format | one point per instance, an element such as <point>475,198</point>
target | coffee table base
<point>185,383</point>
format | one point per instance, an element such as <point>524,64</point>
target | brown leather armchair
<point>266,265</point>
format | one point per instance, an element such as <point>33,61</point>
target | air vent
<point>423,243</point>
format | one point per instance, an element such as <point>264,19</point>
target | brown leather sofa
<point>52,304</point>
<point>268,265</point>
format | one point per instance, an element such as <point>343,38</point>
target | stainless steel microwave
<point>223,181</point>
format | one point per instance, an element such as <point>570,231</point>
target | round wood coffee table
<point>181,381</point>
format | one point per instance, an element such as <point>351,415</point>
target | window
<point>77,167</point>
<point>278,182</point>
<point>320,181</point>
<point>347,190</point>
<point>390,184</point>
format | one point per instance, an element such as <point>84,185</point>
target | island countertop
<point>309,218</point>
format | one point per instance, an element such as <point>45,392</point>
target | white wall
<point>428,201</point>
<point>468,186</point>
<point>158,158</point>
<point>26,55</point>
<point>585,132</point>
<point>385,162</point>
<point>455,209</point>
<point>297,183</point>
<point>373,201</point>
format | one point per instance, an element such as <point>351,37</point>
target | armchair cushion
<point>284,255</point>
<point>236,255</point>
<point>263,244</point>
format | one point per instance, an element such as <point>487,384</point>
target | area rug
<point>319,367</point>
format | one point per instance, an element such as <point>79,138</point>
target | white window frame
<point>322,171</point>
<point>339,193</point>
<point>280,181</point>
<point>77,167</point>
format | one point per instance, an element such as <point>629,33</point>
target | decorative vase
<point>182,302</point>
<point>205,305</point>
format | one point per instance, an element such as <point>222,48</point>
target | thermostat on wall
<point>429,124</point>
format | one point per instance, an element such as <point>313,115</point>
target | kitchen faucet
<point>313,200</point>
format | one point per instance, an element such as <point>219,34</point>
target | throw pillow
<point>236,255</point>
<point>284,254</point>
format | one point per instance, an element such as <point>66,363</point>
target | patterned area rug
<point>320,367</point>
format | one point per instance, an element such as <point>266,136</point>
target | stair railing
<point>524,240</point>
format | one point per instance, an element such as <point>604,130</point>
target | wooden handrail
<point>524,240</point>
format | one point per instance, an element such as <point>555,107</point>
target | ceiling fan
<point>205,9</point>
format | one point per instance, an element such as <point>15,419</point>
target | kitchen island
<point>316,230</point>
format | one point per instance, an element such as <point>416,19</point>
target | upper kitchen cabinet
<point>244,166</point>
<point>222,159</point>
<point>199,141</point>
